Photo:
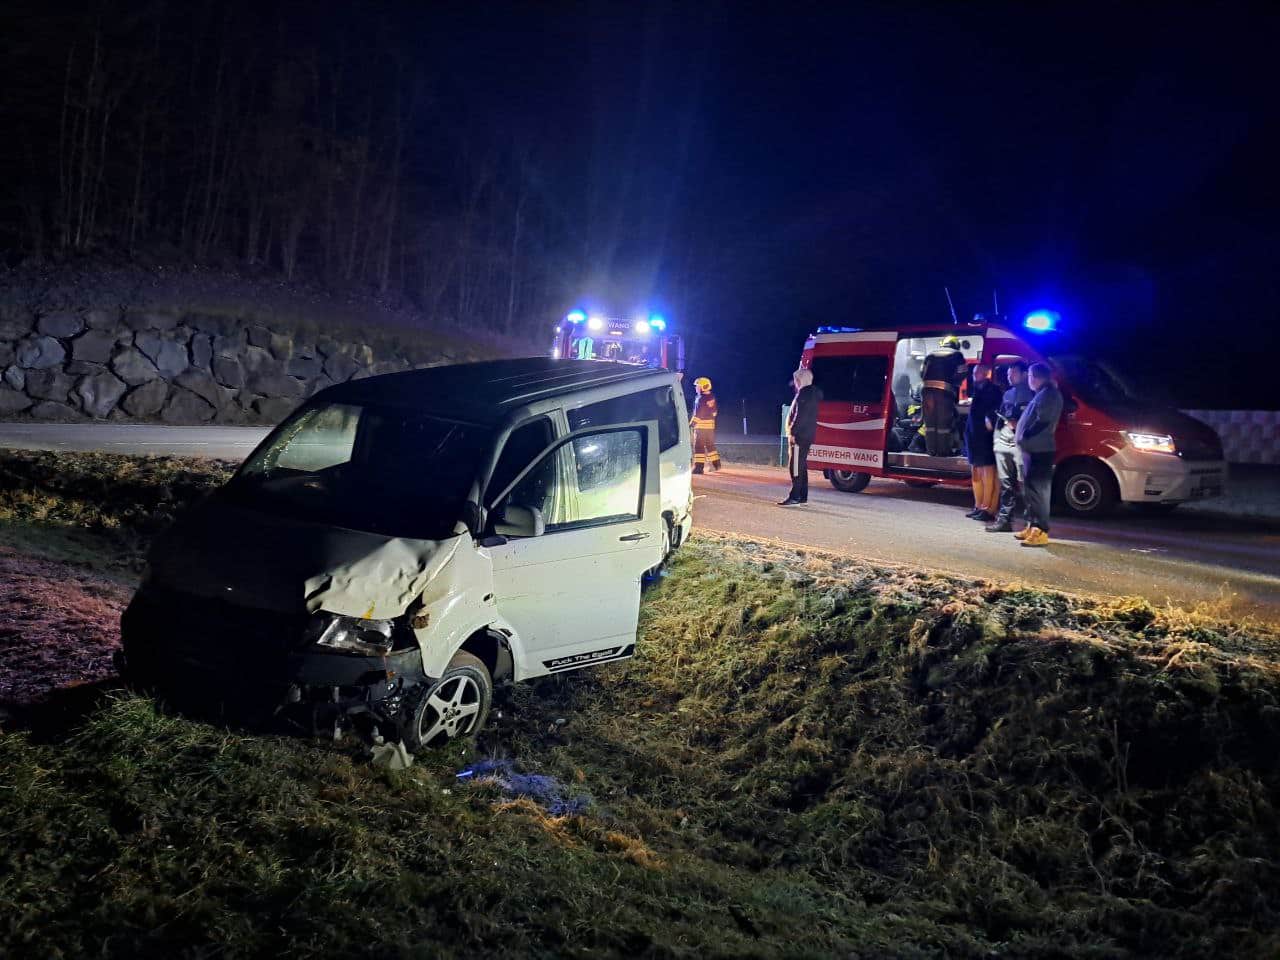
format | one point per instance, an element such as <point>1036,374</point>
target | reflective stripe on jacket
<point>704,412</point>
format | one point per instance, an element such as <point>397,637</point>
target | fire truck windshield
<point>1098,383</point>
<point>589,346</point>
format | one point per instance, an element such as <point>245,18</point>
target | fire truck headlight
<point>1152,442</point>
<point>642,327</point>
<point>595,323</point>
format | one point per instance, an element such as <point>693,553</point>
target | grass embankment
<point>95,508</point>
<point>809,757</point>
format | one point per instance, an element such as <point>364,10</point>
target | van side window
<point>646,405</point>
<point>592,480</point>
<point>525,442</point>
<point>851,379</point>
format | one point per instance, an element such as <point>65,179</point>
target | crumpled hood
<point>253,559</point>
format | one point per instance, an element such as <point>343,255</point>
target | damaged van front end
<point>299,584</point>
<point>230,640</point>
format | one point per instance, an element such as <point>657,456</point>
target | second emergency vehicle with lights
<point>1112,446</point>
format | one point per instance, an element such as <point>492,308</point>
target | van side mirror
<point>520,522</point>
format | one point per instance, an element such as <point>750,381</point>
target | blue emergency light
<point>1042,321</point>
<point>575,316</point>
<point>657,322</point>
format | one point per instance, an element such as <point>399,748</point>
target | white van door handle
<point>630,537</point>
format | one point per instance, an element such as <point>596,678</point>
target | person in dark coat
<point>802,427</point>
<point>706,458</point>
<point>979,438</point>
<point>944,371</point>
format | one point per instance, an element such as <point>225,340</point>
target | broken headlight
<point>371,638</point>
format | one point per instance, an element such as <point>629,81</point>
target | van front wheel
<point>849,481</point>
<point>1085,488</point>
<point>455,707</point>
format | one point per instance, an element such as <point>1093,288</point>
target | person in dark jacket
<point>979,435</point>
<point>802,427</point>
<point>944,371</point>
<point>706,458</point>
<point>1036,443</point>
<point>1008,460</point>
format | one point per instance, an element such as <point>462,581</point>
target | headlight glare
<point>352,635</point>
<point>1152,442</point>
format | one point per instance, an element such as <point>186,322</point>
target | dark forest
<point>264,140</point>
<point>752,177</point>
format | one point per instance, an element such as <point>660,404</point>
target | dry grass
<point>809,757</point>
<point>97,508</point>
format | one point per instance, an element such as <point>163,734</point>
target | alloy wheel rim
<point>1083,492</point>
<point>451,710</point>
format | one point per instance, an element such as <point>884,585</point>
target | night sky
<point>759,173</point>
<point>753,172</point>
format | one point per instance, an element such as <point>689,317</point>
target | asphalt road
<point>1186,557</point>
<point>134,439</point>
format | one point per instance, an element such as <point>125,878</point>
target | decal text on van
<point>847,456</point>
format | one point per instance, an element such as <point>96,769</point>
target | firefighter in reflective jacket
<point>944,371</point>
<point>703,424</point>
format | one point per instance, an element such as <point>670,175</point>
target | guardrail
<point>1248,436</point>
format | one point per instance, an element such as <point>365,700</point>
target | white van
<point>402,543</point>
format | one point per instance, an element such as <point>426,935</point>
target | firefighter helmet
<point>703,384</point>
<point>950,340</point>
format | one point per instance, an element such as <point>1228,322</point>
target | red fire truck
<point>642,340</point>
<point>1112,446</point>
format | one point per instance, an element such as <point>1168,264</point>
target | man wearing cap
<point>705,456</point>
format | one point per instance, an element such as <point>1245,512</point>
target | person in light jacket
<point>802,427</point>
<point>1005,448</point>
<point>1036,444</point>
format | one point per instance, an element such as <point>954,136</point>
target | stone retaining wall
<point>1248,436</point>
<point>178,367</point>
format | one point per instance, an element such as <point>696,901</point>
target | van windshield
<point>1098,384</point>
<point>377,469</point>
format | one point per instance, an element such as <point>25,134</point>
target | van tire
<point>849,481</point>
<point>455,707</point>
<point>1085,488</point>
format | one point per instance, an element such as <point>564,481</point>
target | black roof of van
<point>484,392</point>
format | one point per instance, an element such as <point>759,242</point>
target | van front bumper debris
<point>204,654</point>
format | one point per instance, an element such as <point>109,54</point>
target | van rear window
<point>851,379</point>
<point>631,408</point>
